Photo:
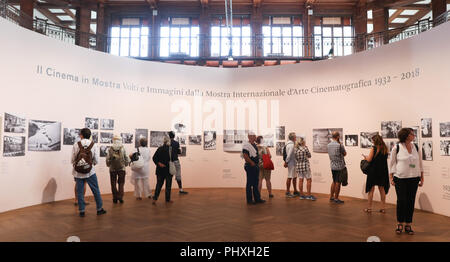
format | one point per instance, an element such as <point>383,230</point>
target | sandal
<point>409,230</point>
<point>368,210</point>
<point>399,229</point>
<point>383,210</point>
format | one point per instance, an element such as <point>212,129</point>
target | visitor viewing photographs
<point>366,139</point>
<point>91,123</point>
<point>280,132</point>
<point>44,135</point>
<point>140,133</point>
<point>14,124</point>
<point>180,128</point>
<point>181,139</point>
<point>279,148</point>
<point>389,129</point>
<point>426,127</point>
<point>209,138</point>
<point>157,138</point>
<point>444,129</point>
<point>94,137</point>
<point>351,140</point>
<point>183,151</point>
<point>71,135</point>
<point>127,138</point>
<point>322,137</point>
<point>104,151</point>
<point>13,146</point>
<point>195,140</point>
<point>233,140</point>
<point>445,147</point>
<point>106,138</point>
<point>427,150</point>
<point>107,124</point>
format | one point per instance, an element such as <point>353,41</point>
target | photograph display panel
<point>13,146</point>
<point>390,145</point>
<point>366,139</point>
<point>104,150</point>
<point>195,140</point>
<point>107,124</point>
<point>181,139</point>
<point>279,148</point>
<point>351,140</point>
<point>183,151</point>
<point>127,138</point>
<point>444,129</point>
<point>445,147</point>
<point>233,140</point>
<point>389,129</point>
<point>180,128</point>
<point>416,135</point>
<point>71,135</point>
<point>427,150</point>
<point>140,133</point>
<point>94,137</point>
<point>209,138</point>
<point>157,138</point>
<point>268,140</point>
<point>322,137</point>
<point>91,123</point>
<point>14,124</point>
<point>280,132</point>
<point>426,127</point>
<point>44,135</point>
<point>106,138</point>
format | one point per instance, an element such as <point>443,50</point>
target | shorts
<point>306,174</point>
<point>336,174</point>
<point>292,172</point>
<point>264,173</point>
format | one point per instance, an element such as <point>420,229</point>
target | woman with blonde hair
<point>378,174</point>
<point>303,168</point>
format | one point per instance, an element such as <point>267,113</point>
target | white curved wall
<point>46,176</point>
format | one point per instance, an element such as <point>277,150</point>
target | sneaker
<point>115,201</point>
<point>338,201</point>
<point>183,192</point>
<point>296,193</point>
<point>101,212</point>
<point>332,200</point>
<point>260,201</point>
<point>311,197</point>
<point>303,197</point>
<point>289,195</point>
<point>81,214</point>
<point>121,201</point>
<point>270,196</point>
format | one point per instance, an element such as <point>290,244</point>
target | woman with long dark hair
<point>378,173</point>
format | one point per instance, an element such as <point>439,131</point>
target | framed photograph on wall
<point>427,150</point>
<point>106,138</point>
<point>14,124</point>
<point>195,140</point>
<point>366,139</point>
<point>44,135</point>
<point>71,135</point>
<point>426,127</point>
<point>157,138</point>
<point>389,129</point>
<point>445,147</point>
<point>13,146</point>
<point>209,138</point>
<point>322,137</point>
<point>127,138</point>
<point>140,133</point>
<point>351,140</point>
<point>444,129</point>
<point>280,132</point>
<point>104,150</point>
<point>107,124</point>
<point>91,123</point>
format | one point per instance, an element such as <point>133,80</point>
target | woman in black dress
<point>378,172</point>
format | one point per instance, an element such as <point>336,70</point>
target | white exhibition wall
<point>417,71</point>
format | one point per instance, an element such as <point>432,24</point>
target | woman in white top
<point>406,174</point>
<point>139,177</point>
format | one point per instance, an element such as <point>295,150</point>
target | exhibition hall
<point>224,121</point>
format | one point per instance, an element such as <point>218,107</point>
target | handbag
<point>365,166</point>
<point>172,169</point>
<point>267,162</point>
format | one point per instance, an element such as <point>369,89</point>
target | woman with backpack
<point>117,159</point>
<point>263,173</point>
<point>378,174</point>
<point>406,174</point>
<point>140,170</point>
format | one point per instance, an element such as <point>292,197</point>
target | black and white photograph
<point>444,129</point>
<point>280,132</point>
<point>183,151</point>
<point>181,139</point>
<point>209,138</point>
<point>71,135</point>
<point>390,145</point>
<point>426,127</point>
<point>351,140</point>
<point>91,123</point>
<point>94,137</point>
<point>322,137</point>
<point>140,133</point>
<point>127,138</point>
<point>106,138</point>
<point>279,148</point>
<point>180,128</point>
<point>195,140</point>
<point>44,135</point>
<point>416,134</point>
<point>107,124</point>
<point>13,146</point>
<point>157,138</point>
<point>104,150</point>
<point>427,150</point>
<point>389,129</point>
<point>268,140</point>
<point>445,147</point>
<point>233,140</point>
<point>14,124</point>
<point>366,139</point>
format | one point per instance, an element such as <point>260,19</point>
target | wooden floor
<point>216,215</point>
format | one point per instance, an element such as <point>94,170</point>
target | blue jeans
<point>252,191</point>
<point>93,184</point>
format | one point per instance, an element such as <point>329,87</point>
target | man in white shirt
<point>251,157</point>
<point>90,177</point>
<point>290,164</point>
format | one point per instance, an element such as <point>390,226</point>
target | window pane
<point>125,32</point>
<point>246,46</point>
<point>327,31</point>
<point>266,30</point>
<point>225,32</point>
<point>194,46</point>
<point>297,31</point>
<point>338,46</point>
<point>297,47</point>
<point>174,45</point>
<point>318,46</point>
<point>195,31</point>
<point>134,50</point>
<point>185,32</point>
<point>144,30</point>
<point>164,47</point>
<point>287,31</point>
<point>184,48</point>
<point>215,46</point>
<point>276,31</point>
<point>347,31</point>
<point>287,46</point>
<point>144,46</point>
<point>337,31</point>
<point>115,31</point>
<point>276,45</point>
<point>215,31</point>
<point>317,30</point>
<point>225,47</point>
<point>114,49</point>
<point>164,32</point>
<point>135,32</point>
<point>266,46</point>
<point>246,31</point>
<point>236,31</point>
<point>174,32</point>
<point>236,46</point>
<point>124,46</point>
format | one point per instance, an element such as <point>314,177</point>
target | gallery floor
<point>216,215</point>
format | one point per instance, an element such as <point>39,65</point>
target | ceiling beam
<point>50,16</point>
<point>395,15</point>
<point>417,7</point>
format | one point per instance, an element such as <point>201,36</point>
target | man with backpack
<point>85,156</point>
<point>117,159</point>
<point>289,162</point>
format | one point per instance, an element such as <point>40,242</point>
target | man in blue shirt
<point>250,154</point>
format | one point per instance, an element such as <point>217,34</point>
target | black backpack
<point>284,153</point>
<point>398,147</point>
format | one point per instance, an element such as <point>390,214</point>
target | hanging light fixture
<point>229,22</point>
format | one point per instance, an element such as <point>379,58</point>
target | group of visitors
<point>405,172</point>
<point>85,156</point>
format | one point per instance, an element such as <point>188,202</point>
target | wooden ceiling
<point>402,12</point>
